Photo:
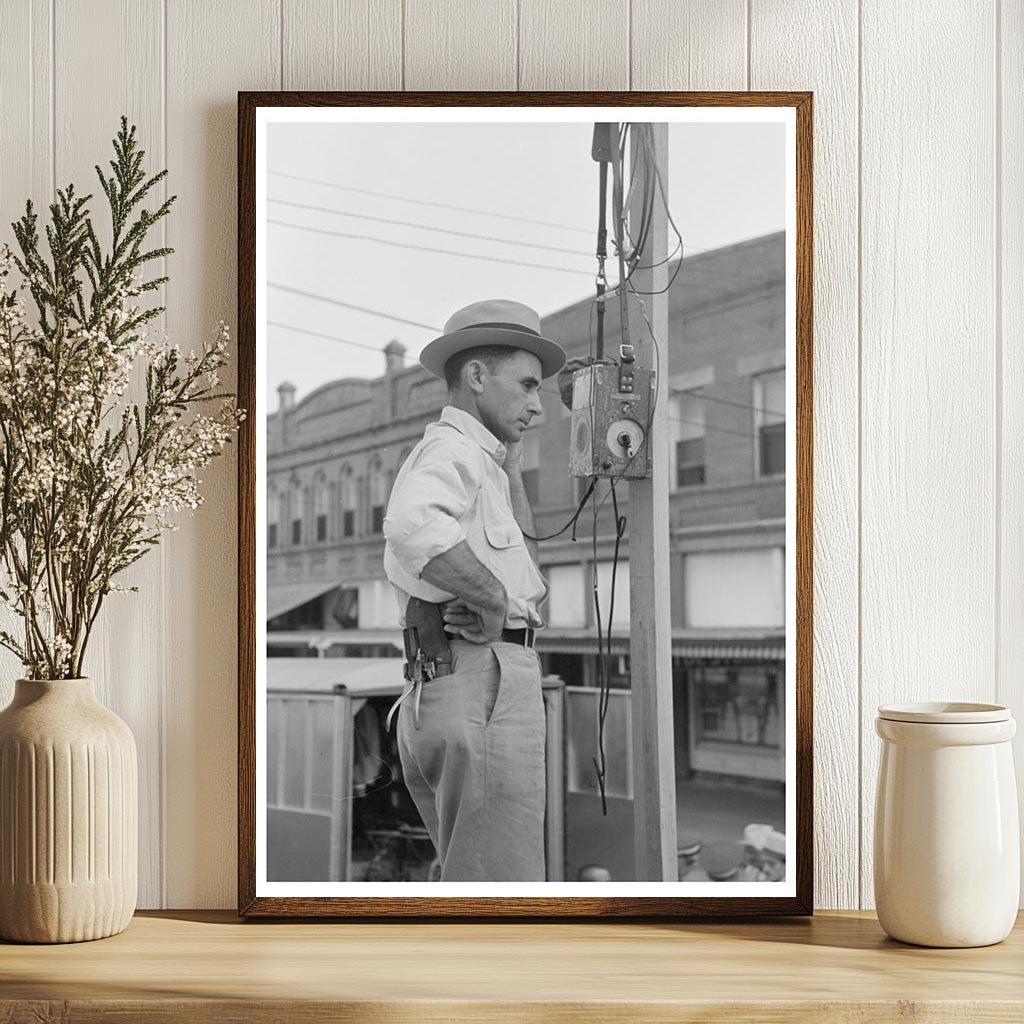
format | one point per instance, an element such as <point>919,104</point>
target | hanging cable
<point>427,227</point>
<point>426,248</point>
<point>429,202</point>
<point>348,305</point>
<point>572,522</point>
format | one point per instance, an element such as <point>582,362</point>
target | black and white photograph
<point>524,466</point>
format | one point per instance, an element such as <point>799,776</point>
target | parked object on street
<point>947,851</point>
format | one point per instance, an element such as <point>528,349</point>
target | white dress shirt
<point>452,488</point>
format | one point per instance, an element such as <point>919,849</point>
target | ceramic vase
<point>947,847</point>
<point>68,815</point>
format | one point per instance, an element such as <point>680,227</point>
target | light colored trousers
<point>473,759</point>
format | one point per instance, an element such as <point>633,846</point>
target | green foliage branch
<point>89,477</point>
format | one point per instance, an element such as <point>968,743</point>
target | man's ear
<point>475,374</point>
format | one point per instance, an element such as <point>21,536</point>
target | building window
<point>378,498</point>
<point>348,503</point>
<point>735,589</point>
<point>531,465</point>
<point>298,511</point>
<point>770,418</point>
<point>688,432</point>
<point>740,705</point>
<point>273,516</point>
<point>320,509</point>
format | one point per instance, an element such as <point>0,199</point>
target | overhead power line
<point>430,202</point>
<point>431,227</point>
<point>349,305</point>
<point>329,337</point>
<point>428,248</point>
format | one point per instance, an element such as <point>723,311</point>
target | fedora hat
<point>493,322</point>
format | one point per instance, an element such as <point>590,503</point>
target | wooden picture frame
<point>253,897</point>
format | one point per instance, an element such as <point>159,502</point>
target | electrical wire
<point>430,202</point>
<point>725,401</point>
<point>329,337</point>
<point>427,248</point>
<point>711,427</point>
<point>572,521</point>
<point>430,227</point>
<point>349,305</point>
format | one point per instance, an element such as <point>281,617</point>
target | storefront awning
<point>685,646</point>
<point>284,597</point>
<point>324,640</point>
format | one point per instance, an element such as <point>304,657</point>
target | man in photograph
<point>471,724</point>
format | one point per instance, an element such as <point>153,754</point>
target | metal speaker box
<point>611,420</point>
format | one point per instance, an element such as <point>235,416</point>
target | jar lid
<point>945,712</point>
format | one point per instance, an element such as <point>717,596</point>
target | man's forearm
<point>461,573</point>
<point>521,510</point>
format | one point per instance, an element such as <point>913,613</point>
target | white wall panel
<point>928,514</point>
<point>689,44</point>
<point>1010,319</point>
<point>26,129</point>
<point>342,44</point>
<point>468,45</point>
<point>122,658</point>
<point>575,44</point>
<point>918,559</point>
<point>781,58</point>
<point>213,51</point>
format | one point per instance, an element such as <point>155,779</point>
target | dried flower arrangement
<point>89,478</point>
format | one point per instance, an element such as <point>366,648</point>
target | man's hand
<point>569,371</point>
<point>513,457</point>
<point>480,603</point>
<point>478,627</point>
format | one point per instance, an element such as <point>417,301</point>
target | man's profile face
<point>511,396</point>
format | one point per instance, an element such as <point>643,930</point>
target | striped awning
<point>688,648</point>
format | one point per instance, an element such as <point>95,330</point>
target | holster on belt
<point>427,653</point>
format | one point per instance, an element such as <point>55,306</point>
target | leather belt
<point>523,637</point>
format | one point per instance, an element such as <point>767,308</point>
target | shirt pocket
<point>503,535</point>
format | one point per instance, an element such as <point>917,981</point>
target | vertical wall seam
<point>750,44</point>
<point>280,39</point>
<point>629,44</point>
<point>997,210</point>
<point>860,457</point>
<point>53,99</point>
<point>519,55</point>
<point>403,45</point>
<point>161,814</point>
<point>32,98</point>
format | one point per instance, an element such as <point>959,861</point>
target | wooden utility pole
<point>654,781</point>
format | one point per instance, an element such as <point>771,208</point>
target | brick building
<point>333,456</point>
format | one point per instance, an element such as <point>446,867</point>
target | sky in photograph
<point>725,185</point>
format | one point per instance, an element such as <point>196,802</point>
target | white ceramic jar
<point>947,847</point>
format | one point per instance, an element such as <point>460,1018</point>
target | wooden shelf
<point>202,967</point>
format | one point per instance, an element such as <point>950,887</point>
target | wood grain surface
<point>832,75</point>
<point>928,371</point>
<point>1009,315</point>
<point>208,966</point>
<point>919,411</point>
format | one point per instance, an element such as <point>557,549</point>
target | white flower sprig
<point>88,478</point>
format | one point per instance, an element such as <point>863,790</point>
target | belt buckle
<point>528,637</point>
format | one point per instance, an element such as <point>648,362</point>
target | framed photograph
<point>525,504</point>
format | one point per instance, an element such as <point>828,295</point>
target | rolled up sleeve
<point>426,508</point>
